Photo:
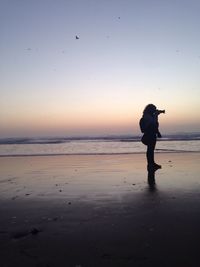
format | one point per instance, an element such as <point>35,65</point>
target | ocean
<point>100,145</point>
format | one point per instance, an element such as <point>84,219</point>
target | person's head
<point>149,109</point>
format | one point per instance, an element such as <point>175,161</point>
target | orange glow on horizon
<point>94,121</point>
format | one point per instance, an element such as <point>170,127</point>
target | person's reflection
<point>151,180</point>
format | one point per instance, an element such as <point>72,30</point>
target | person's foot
<point>153,167</point>
<point>157,166</point>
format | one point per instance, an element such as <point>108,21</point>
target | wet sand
<point>84,211</point>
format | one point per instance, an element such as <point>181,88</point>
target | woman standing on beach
<point>149,126</point>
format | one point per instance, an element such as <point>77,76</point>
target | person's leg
<point>150,152</point>
<point>150,156</point>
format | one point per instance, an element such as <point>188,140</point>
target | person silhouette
<point>150,128</point>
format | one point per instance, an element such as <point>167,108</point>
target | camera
<point>159,111</point>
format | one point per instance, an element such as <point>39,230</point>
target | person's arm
<point>157,126</point>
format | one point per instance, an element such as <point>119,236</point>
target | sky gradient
<point>129,53</point>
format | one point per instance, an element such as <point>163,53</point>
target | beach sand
<point>99,210</point>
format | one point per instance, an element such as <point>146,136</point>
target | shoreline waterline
<point>99,154</point>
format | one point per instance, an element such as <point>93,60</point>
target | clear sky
<point>129,53</point>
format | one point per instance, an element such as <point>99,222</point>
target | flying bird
<point>77,37</point>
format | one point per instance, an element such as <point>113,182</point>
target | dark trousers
<point>150,151</point>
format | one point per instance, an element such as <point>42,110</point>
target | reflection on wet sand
<point>101,210</point>
<point>151,180</point>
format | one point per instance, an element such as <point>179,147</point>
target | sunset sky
<point>127,53</point>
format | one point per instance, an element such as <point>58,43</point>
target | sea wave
<point>112,138</point>
<point>108,146</point>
